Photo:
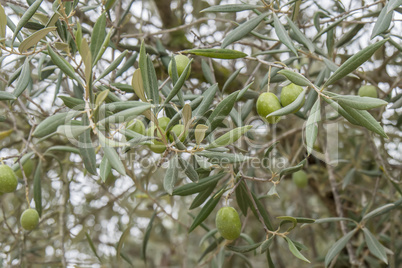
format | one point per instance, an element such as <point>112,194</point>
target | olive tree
<point>200,133</point>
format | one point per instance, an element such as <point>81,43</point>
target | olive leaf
<point>242,30</point>
<point>230,8</point>
<point>338,246</point>
<point>295,251</point>
<point>311,125</point>
<point>374,245</point>
<point>217,53</point>
<point>206,210</point>
<point>229,137</point>
<point>353,62</point>
<point>34,38</point>
<point>282,34</point>
<point>171,175</point>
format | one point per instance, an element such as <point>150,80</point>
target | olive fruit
<point>158,146</point>
<point>268,103</point>
<point>8,180</point>
<point>136,125</point>
<point>29,219</point>
<point>300,179</point>
<point>177,130</point>
<point>163,122</point>
<point>228,223</point>
<point>28,167</point>
<point>289,94</point>
<point>368,91</point>
<point>181,63</point>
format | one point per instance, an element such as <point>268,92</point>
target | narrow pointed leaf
<point>229,138</point>
<point>87,149</point>
<point>296,78</point>
<point>295,251</point>
<point>64,66</point>
<point>23,79</point>
<point>179,84</point>
<point>138,86</point>
<point>365,119</point>
<point>153,82</point>
<point>206,210</point>
<point>50,124</point>
<point>7,96</point>
<point>243,249</point>
<point>230,8</point>
<point>34,38</point>
<point>379,211</point>
<point>196,187</point>
<point>3,22</point>
<point>113,65</point>
<point>98,35</point>
<point>171,175</point>
<point>291,107</point>
<point>383,22</point>
<point>189,170</point>
<point>221,111</point>
<point>311,125</point>
<point>374,245</point>
<point>208,95</point>
<point>92,246</point>
<point>283,35</point>
<point>338,246</point>
<point>112,156</point>
<point>123,238</point>
<point>303,39</point>
<point>242,30</point>
<point>231,78</point>
<point>104,168</point>
<point>360,103</point>
<point>26,17</point>
<point>216,53</point>
<point>37,188</point>
<point>125,115</point>
<point>216,158</point>
<point>353,62</point>
<point>146,237</point>
<point>71,131</point>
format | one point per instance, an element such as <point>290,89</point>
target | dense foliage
<point>130,124</point>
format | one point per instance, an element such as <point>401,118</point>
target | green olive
<point>136,125</point>
<point>8,179</point>
<point>28,167</point>
<point>300,179</point>
<point>228,223</point>
<point>268,103</point>
<point>29,219</point>
<point>158,146</point>
<point>289,94</point>
<point>368,91</point>
<point>177,130</point>
<point>181,63</point>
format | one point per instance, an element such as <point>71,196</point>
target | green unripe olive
<point>158,146</point>
<point>177,130</point>
<point>136,125</point>
<point>268,103</point>
<point>300,179</point>
<point>181,63</point>
<point>289,94</point>
<point>29,219</point>
<point>28,167</point>
<point>163,122</point>
<point>8,180</point>
<point>368,91</point>
<point>228,223</point>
